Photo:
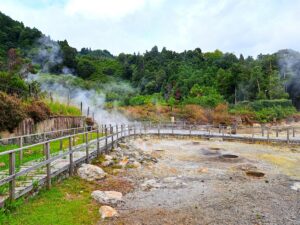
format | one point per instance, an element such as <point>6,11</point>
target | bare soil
<point>193,183</point>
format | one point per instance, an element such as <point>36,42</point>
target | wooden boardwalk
<point>31,175</point>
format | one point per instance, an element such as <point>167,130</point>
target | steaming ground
<point>193,184</point>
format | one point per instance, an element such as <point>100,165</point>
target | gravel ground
<point>193,183</point>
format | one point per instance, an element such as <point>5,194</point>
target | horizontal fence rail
<point>75,148</point>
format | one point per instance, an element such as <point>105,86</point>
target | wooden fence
<point>106,136</point>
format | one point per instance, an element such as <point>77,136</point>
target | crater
<point>258,174</point>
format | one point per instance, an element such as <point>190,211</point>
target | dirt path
<point>194,183</point>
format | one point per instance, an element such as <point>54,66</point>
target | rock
<point>107,212</point>
<point>123,145</point>
<point>90,172</point>
<point>136,164</point>
<point>296,186</point>
<point>202,170</point>
<point>107,197</point>
<point>124,162</point>
<point>116,171</point>
<point>107,163</point>
<point>108,157</point>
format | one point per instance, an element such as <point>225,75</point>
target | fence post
<point>134,131</point>
<point>98,143</point>
<point>117,130</point>
<point>276,131</point>
<point>190,130</point>
<point>158,129</point>
<point>262,131</point>
<point>252,130</point>
<point>112,137</point>
<point>12,170</point>
<point>268,135</point>
<point>128,130</point>
<point>21,151</point>
<point>71,157</point>
<point>287,135</point>
<point>172,128</point>
<point>83,134</point>
<point>86,147</point>
<point>293,131</point>
<point>61,142</point>
<point>121,130</point>
<point>47,154</point>
<point>106,139</point>
<point>74,140</point>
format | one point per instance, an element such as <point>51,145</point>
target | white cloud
<point>106,9</point>
<point>248,27</point>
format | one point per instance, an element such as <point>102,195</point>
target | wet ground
<point>212,182</point>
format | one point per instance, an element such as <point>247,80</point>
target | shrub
<point>89,121</point>
<point>38,111</point>
<point>58,108</point>
<point>11,112</point>
<point>195,114</point>
<point>220,115</point>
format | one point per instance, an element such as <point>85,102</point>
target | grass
<point>58,108</point>
<point>65,203</point>
<point>36,152</point>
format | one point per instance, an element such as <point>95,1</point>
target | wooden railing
<point>105,136</point>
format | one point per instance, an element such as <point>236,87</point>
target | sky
<point>248,27</point>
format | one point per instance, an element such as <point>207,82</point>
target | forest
<point>264,88</point>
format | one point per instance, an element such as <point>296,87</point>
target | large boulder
<point>90,172</point>
<point>107,197</point>
<point>107,212</point>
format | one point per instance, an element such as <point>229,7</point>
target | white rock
<point>137,164</point>
<point>296,186</point>
<point>108,157</point>
<point>107,163</point>
<point>107,212</point>
<point>90,172</point>
<point>107,197</point>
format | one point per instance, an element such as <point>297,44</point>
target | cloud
<point>248,27</point>
<point>106,9</point>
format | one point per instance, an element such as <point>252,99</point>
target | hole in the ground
<point>229,156</point>
<point>255,173</point>
<point>196,143</point>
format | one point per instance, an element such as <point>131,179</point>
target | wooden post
<point>83,134</point>
<point>81,107</point>
<point>293,131</point>
<point>121,130</point>
<point>287,135</point>
<point>74,137</point>
<point>106,139</point>
<point>252,134</point>
<point>88,112</point>
<point>128,130</point>
<point>61,142</point>
<point>47,154</point>
<point>86,148</point>
<point>219,128</point>
<point>262,131</point>
<point>172,128</point>
<point>98,143</point>
<point>158,129</point>
<point>134,131</point>
<point>190,130</point>
<point>276,131</point>
<point>21,151</point>
<point>117,130</point>
<point>12,170</point>
<point>112,137</point>
<point>268,135</point>
<point>71,169</point>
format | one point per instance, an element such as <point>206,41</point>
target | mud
<point>193,183</point>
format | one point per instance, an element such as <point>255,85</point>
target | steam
<point>67,87</point>
<point>289,63</point>
<point>47,54</point>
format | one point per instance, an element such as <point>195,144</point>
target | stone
<point>107,212</point>
<point>216,139</point>
<point>107,197</point>
<point>296,186</point>
<point>108,157</point>
<point>107,163</point>
<point>90,172</point>
<point>136,164</point>
<point>202,170</point>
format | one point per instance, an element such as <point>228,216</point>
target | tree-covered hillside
<point>166,77</point>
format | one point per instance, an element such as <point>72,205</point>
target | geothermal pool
<point>212,182</point>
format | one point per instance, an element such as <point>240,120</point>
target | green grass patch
<point>65,203</point>
<point>58,108</point>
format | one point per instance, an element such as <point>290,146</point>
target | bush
<point>220,115</point>
<point>58,108</point>
<point>38,111</point>
<point>195,114</point>
<point>11,113</point>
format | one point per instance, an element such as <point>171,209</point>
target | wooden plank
<point>71,169</point>
<point>48,170</point>
<point>12,170</point>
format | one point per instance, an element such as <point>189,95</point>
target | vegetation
<point>161,78</point>
<point>65,203</point>
<point>58,108</point>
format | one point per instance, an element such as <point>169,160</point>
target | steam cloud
<point>63,89</point>
<point>289,63</point>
